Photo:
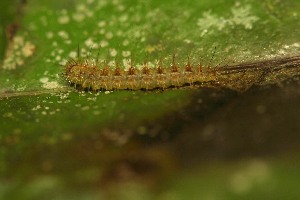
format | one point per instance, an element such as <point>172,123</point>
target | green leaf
<point>59,142</point>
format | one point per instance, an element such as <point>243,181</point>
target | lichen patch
<point>17,52</point>
<point>240,16</point>
<point>49,84</point>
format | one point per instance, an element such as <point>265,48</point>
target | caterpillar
<point>89,75</point>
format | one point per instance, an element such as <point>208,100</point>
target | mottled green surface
<point>149,30</point>
<point>208,143</point>
<point>45,112</point>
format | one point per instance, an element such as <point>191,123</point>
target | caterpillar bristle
<point>89,75</point>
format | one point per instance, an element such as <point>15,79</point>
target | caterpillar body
<point>90,76</point>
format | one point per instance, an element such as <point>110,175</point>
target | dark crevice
<point>262,121</point>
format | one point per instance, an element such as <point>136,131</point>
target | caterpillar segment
<point>88,76</point>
